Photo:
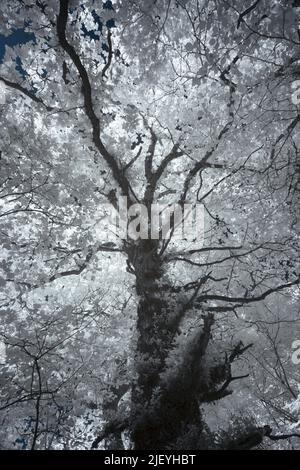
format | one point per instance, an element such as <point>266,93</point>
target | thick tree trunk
<point>163,410</point>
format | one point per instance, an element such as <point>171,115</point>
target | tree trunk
<point>163,410</point>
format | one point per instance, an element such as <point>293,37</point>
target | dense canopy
<point>149,343</point>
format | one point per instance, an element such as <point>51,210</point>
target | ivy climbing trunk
<point>164,405</point>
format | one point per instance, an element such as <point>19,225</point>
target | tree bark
<point>164,410</point>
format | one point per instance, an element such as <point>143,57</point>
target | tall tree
<point>171,102</point>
